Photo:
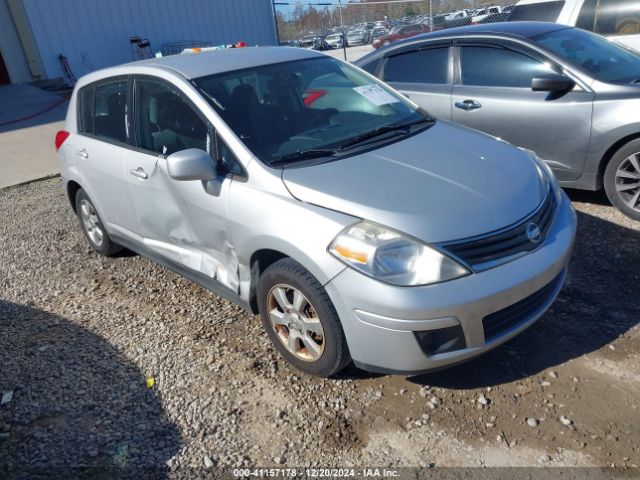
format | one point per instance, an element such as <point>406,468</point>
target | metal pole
<point>430,16</point>
<point>344,37</point>
<point>275,21</point>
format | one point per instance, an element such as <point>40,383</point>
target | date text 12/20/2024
<point>315,472</point>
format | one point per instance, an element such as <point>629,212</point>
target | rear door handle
<point>139,172</point>
<point>83,153</point>
<point>468,105</point>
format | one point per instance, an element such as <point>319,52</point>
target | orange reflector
<point>196,50</point>
<point>344,252</point>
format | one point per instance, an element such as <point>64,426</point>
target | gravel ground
<point>80,334</point>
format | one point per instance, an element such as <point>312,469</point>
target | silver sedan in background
<point>569,95</point>
<point>301,188</point>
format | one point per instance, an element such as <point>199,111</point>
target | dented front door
<point>184,222</point>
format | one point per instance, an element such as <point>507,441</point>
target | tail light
<point>312,95</point>
<point>61,136</point>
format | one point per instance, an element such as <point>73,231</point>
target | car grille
<point>502,321</point>
<point>496,248</point>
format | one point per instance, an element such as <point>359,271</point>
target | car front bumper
<point>386,326</point>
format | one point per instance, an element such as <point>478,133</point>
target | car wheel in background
<point>622,180</point>
<point>300,319</point>
<point>92,226</point>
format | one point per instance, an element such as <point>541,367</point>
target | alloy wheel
<point>91,222</point>
<point>628,181</point>
<point>295,322</point>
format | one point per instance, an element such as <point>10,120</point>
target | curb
<point>39,179</point>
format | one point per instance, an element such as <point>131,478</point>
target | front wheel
<point>622,180</point>
<point>299,318</point>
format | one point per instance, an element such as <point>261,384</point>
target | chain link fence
<point>351,29</point>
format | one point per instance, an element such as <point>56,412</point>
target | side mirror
<point>191,164</point>
<point>552,83</point>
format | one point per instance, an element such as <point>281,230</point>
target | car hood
<point>443,184</point>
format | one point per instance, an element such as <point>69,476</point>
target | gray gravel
<point>81,334</point>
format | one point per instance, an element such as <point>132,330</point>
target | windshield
<point>604,60</point>
<point>306,105</point>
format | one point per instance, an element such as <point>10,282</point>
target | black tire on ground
<point>335,356</point>
<point>106,246</point>
<point>620,199</point>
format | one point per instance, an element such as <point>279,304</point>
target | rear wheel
<point>300,319</point>
<point>92,226</point>
<point>622,180</point>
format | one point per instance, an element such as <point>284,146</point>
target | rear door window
<point>110,111</point>
<point>102,110</point>
<point>537,12</point>
<point>610,17</point>
<point>420,66</point>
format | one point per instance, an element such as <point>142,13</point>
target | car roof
<point>194,65</point>
<point>506,29</point>
<point>514,29</point>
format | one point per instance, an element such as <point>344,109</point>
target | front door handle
<point>139,172</point>
<point>83,153</point>
<point>468,105</point>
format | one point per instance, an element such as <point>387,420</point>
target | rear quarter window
<point>85,110</point>
<point>537,12</point>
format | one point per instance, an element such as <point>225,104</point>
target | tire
<point>623,190</point>
<point>628,26</point>
<point>317,354</point>
<point>92,226</point>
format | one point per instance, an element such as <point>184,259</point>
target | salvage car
<point>398,33</point>
<point>360,230</point>
<point>567,94</point>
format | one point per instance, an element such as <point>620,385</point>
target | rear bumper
<point>386,326</point>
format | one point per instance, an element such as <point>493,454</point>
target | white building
<point>93,34</point>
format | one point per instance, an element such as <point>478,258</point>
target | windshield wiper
<point>401,127</point>
<point>304,155</point>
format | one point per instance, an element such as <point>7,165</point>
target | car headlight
<point>546,171</point>
<point>392,257</point>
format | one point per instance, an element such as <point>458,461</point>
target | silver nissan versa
<point>302,188</point>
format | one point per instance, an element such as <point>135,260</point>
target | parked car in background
<point>307,41</point>
<point>565,93</point>
<point>320,43</point>
<point>336,40</point>
<point>618,20</point>
<point>364,230</point>
<point>496,17</point>
<point>456,15</point>
<point>357,37</point>
<point>399,33</point>
<point>378,32</point>
<point>484,13</point>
